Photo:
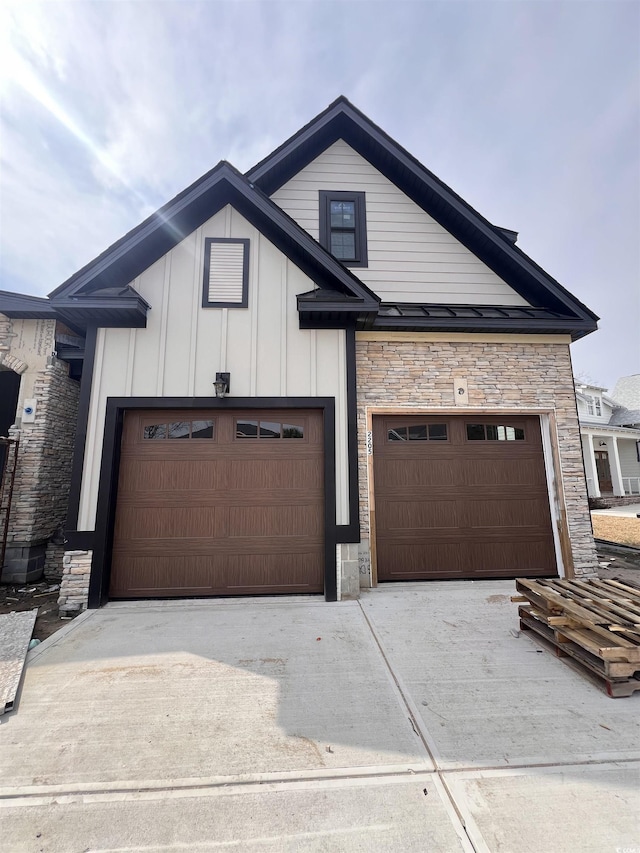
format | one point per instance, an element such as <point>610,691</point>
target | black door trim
<point>110,466</point>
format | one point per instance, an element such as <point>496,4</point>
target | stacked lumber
<point>594,623</point>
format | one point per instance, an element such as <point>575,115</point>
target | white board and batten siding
<point>411,257</point>
<point>184,345</point>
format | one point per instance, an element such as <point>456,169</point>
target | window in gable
<point>226,273</point>
<point>343,226</point>
<point>589,405</point>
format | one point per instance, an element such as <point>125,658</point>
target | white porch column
<point>590,466</point>
<point>616,471</point>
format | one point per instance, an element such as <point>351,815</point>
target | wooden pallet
<point>595,622</point>
<point>582,661</point>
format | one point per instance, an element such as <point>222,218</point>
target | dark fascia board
<point>344,306</point>
<point>23,306</point>
<point>341,120</point>
<point>140,248</point>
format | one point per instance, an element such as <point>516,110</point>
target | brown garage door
<point>461,497</point>
<point>213,503</point>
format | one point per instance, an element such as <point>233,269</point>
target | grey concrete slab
<point>484,697</point>
<point>179,690</point>
<point>590,808</point>
<point>15,634</point>
<point>343,816</point>
<point>630,511</point>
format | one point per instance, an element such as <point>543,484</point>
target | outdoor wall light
<point>221,384</point>
<point>602,444</point>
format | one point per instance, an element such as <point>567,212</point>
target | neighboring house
<point>610,431</point>
<point>399,398</point>
<point>38,405</point>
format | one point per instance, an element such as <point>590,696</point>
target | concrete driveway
<point>413,720</point>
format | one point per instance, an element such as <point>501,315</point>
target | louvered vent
<point>226,272</point>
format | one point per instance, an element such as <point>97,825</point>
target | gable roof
<point>119,265</point>
<point>494,246</point>
<point>101,293</point>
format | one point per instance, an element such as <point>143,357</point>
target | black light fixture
<point>221,384</point>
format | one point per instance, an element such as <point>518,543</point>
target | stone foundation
<point>606,501</point>
<point>24,562</point>
<point>418,373</point>
<point>43,472</point>
<point>348,570</point>
<point>74,587</point>
<point>53,562</point>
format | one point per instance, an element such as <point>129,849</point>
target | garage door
<point>461,497</point>
<point>214,503</point>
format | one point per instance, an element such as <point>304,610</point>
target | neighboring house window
<point>590,405</point>
<point>598,406</point>
<point>343,226</point>
<point>226,273</point>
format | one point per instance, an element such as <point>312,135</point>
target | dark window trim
<point>326,196</point>
<point>245,273</point>
<point>110,466</point>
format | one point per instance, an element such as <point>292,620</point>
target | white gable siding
<point>184,344</point>
<point>411,257</point>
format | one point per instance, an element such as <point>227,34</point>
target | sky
<point>528,109</point>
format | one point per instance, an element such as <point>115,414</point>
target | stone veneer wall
<point>53,562</point>
<point>74,588</point>
<point>499,375</point>
<point>348,571</point>
<point>41,489</point>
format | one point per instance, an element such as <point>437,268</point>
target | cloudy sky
<point>529,109</point>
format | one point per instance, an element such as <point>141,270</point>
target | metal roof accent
<point>475,318</point>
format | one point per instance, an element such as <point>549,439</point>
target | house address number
<point>369,443</point>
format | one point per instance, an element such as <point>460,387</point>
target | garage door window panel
<point>268,429</point>
<point>417,432</point>
<point>494,432</point>
<point>179,429</point>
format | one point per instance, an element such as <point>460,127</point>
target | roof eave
<point>23,306</point>
<point>107,312</point>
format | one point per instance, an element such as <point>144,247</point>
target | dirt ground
<point>617,528</point>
